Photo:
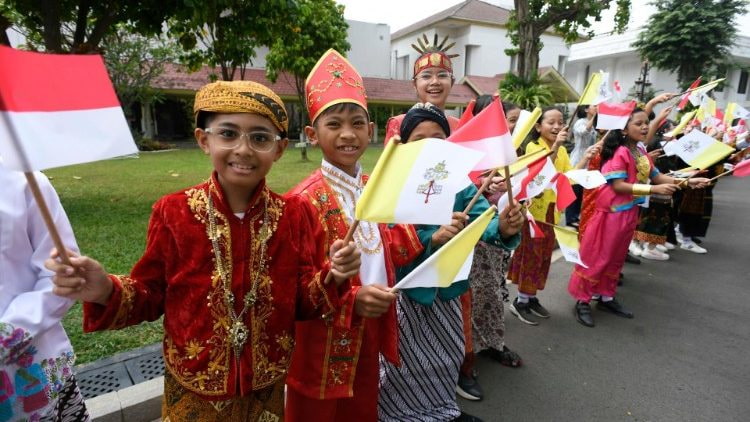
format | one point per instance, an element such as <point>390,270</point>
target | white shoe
<point>669,246</point>
<point>661,248</point>
<point>654,255</point>
<point>678,234</point>
<point>691,246</point>
<point>635,249</point>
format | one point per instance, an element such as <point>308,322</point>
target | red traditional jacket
<point>178,277</point>
<point>393,126</point>
<point>326,353</point>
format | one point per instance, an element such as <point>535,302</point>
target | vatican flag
<point>452,261</point>
<point>417,182</point>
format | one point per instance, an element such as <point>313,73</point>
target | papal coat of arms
<point>691,146</point>
<point>433,175</point>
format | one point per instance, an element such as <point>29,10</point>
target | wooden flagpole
<point>36,192</point>
<point>480,191</point>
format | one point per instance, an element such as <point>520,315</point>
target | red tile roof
<point>177,79</point>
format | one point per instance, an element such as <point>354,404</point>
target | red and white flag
<point>614,116</point>
<point>488,132</point>
<point>686,97</point>
<point>564,192</point>
<point>618,90</point>
<point>742,169</point>
<point>58,110</point>
<point>468,114</point>
<point>534,229</point>
<point>540,175</point>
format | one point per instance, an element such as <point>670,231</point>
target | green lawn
<point>109,203</point>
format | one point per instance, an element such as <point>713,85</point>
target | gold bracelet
<point>641,189</point>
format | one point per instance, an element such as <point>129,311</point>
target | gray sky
<point>401,13</point>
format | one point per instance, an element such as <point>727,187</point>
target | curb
<point>140,402</point>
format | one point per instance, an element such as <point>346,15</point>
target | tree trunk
<point>528,42</point>
<point>4,25</point>
<point>51,22</point>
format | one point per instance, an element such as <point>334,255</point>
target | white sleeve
<point>37,310</point>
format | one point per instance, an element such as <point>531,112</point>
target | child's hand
<point>698,182</point>
<point>592,151</point>
<point>655,153</point>
<point>562,137</point>
<point>664,189</point>
<point>86,280</point>
<point>497,184</point>
<point>446,233</point>
<point>373,300</point>
<point>345,261</point>
<point>511,220</point>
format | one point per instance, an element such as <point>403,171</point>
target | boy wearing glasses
<point>433,80</point>
<point>228,263</point>
<point>334,371</point>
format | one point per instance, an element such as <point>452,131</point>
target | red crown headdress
<point>332,81</point>
<point>434,55</point>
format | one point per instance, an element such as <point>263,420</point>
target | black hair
<point>342,108</point>
<point>534,134</point>
<point>204,119</point>
<point>616,138</point>
<point>484,100</point>
<point>581,111</point>
<point>508,106</point>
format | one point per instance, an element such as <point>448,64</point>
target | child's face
<point>241,168</point>
<point>512,118</point>
<point>427,129</point>
<point>551,124</point>
<point>637,127</point>
<point>343,137</point>
<point>433,85</point>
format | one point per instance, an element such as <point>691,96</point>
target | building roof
<point>178,80</point>
<point>562,91</point>
<point>469,10</point>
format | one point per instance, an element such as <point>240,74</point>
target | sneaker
<point>691,246</point>
<point>678,234</point>
<point>465,417</point>
<point>522,311</point>
<point>582,311</point>
<point>505,357</point>
<point>635,248</point>
<point>661,248</point>
<point>654,255</point>
<point>697,240</point>
<point>669,246</point>
<point>469,388</point>
<point>614,307</point>
<point>537,309</point>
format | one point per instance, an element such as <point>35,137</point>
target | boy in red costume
<point>228,263</point>
<point>334,371</point>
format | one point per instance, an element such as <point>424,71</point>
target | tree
<point>79,26</point>
<point>225,33</point>
<point>133,62</point>
<point>525,93</point>
<point>690,38</point>
<point>531,18</point>
<point>319,26</point>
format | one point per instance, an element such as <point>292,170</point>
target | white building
<point>480,32</point>
<point>614,53</point>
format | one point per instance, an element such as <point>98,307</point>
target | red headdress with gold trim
<point>332,81</point>
<point>434,55</point>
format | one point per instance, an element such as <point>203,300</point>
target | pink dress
<point>605,242</point>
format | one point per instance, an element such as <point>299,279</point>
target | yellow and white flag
<point>568,241</point>
<point>697,93</point>
<point>524,124</point>
<point>698,149</point>
<point>597,89</point>
<point>416,183</point>
<point>734,111</point>
<point>452,261</point>
<point>686,118</point>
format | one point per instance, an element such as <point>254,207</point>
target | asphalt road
<point>685,356</point>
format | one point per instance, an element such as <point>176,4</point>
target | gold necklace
<point>238,331</point>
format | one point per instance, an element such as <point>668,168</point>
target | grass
<point>109,203</point>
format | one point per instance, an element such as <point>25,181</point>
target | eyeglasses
<point>428,76</point>
<point>259,141</point>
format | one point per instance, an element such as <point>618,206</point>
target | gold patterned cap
<point>433,55</point>
<point>242,97</point>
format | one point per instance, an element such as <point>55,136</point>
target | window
<point>742,86</point>
<point>561,60</point>
<point>586,74</point>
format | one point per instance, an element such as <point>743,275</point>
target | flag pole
<point>508,186</point>
<point>347,239</point>
<point>36,192</point>
<point>726,173</point>
<point>481,190</point>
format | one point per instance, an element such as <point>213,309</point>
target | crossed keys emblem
<point>539,179</point>
<point>433,175</point>
<point>690,146</point>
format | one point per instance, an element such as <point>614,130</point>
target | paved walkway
<point>683,358</point>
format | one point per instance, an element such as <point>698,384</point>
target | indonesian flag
<point>697,94</point>
<point>58,110</point>
<point>613,115</point>
<point>534,229</point>
<point>468,114</point>
<point>487,132</point>
<point>564,192</point>
<point>686,97</point>
<point>539,176</point>
<point>618,90</point>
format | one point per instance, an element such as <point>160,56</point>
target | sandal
<point>505,357</point>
